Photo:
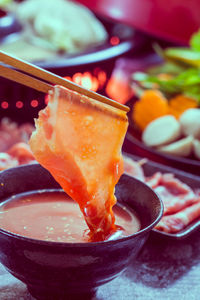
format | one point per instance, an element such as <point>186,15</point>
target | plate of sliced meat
<point>179,191</point>
<point>14,148</point>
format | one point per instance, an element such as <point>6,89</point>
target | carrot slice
<point>79,141</point>
<point>179,104</point>
<point>151,106</point>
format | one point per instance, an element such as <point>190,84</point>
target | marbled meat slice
<point>18,154</point>
<point>7,161</point>
<point>175,194</point>
<point>154,180</point>
<point>133,168</point>
<point>12,133</point>
<point>181,203</point>
<point>173,203</point>
<point>79,141</point>
<point>21,152</point>
<point>177,222</point>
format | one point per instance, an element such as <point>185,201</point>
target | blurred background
<point>121,49</point>
<point>85,45</point>
<point>146,55</point>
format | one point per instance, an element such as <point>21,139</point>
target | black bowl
<point>54,270</point>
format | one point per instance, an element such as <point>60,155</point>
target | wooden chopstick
<point>50,77</point>
<point>25,79</point>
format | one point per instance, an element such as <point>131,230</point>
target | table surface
<point>164,269</point>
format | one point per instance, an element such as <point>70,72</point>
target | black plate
<point>191,180</point>
<point>134,144</point>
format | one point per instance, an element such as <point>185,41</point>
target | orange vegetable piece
<point>151,106</point>
<point>180,103</point>
<point>79,141</point>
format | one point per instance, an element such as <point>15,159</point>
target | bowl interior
<point>129,191</point>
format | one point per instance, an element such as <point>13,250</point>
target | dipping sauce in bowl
<point>52,215</point>
<point>78,267</point>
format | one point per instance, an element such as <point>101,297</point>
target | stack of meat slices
<point>181,203</point>
<point>14,149</point>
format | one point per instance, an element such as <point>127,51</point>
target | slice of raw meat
<point>133,168</point>
<point>176,222</point>
<point>79,141</point>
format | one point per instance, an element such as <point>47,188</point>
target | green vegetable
<point>187,83</point>
<point>3,3</point>
<point>189,56</point>
<point>183,66</point>
<point>166,68</point>
<point>183,55</point>
<point>195,41</point>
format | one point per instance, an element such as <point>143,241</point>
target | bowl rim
<point>85,244</point>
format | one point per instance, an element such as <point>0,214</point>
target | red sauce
<point>53,216</point>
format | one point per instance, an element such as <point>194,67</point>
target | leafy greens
<point>185,75</point>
